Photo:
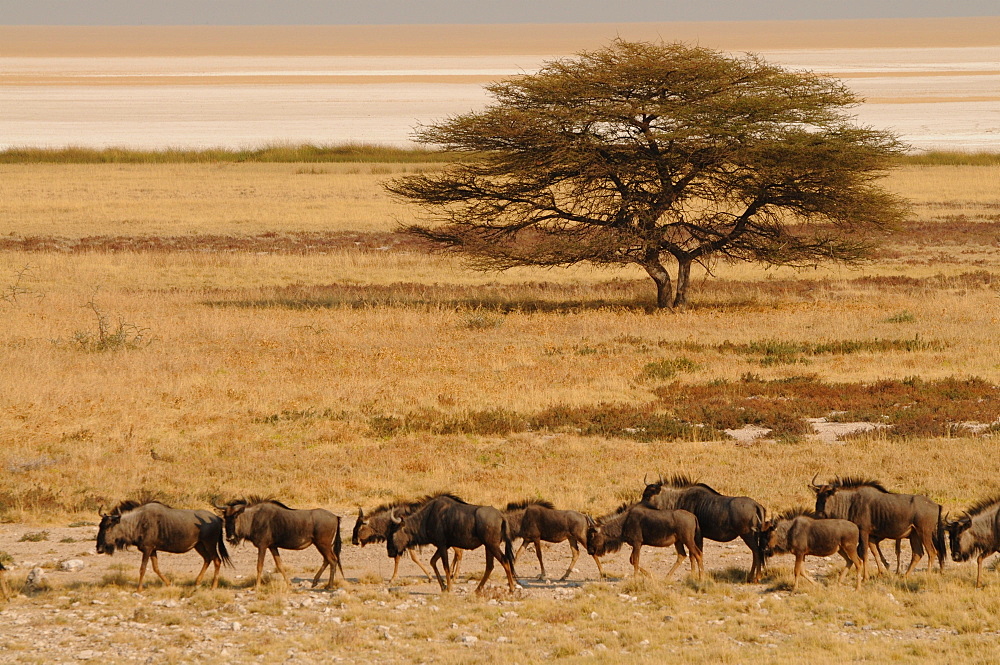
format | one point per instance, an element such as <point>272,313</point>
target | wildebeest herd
<point>851,517</point>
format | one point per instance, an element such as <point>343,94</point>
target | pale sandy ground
<point>935,82</point>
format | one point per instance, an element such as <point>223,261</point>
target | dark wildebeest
<point>154,527</point>
<point>801,533</point>
<point>638,524</point>
<point>445,521</point>
<point>373,527</point>
<point>3,582</point>
<point>534,521</point>
<point>881,514</point>
<point>271,525</point>
<point>720,518</point>
<point>976,532</point>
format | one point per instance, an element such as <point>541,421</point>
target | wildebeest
<point>638,524</point>
<point>721,518</point>
<point>446,521</point>
<point>3,582</point>
<point>534,521</point>
<point>881,514</point>
<point>801,533</point>
<point>976,532</point>
<point>271,525</point>
<point>154,527</point>
<point>373,527</point>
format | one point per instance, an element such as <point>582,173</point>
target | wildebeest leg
<point>576,555</point>
<point>538,551</point>
<point>979,570</point>
<point>880,561</point>
<point>681,556</point>
<point>456,557</point>
<point>444,583</point>
<point>204,567</point>
<point>489,569</point>
<point>634,560</point>
<point>142,570</point>
<point>413,556</point>
<point>319,573</point>
<point>3,586</point>
<point>329,559</point>
<point>863,554</point>
<point>207,556</point>
<point>697,556</point>
<point>800,571</point>
<point>916,554</point>
<point>852,556</point>
<point>600,568</point>
<point>215,575</point>
<point>757,567</point>
<point>156,568</point>
<point>261,553</point>
<point>899,555</point>
<point>277,564</point>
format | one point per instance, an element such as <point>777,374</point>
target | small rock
<point>502,639</point>
<point>235,626</point>
<point>87,654</point>
<point>468,639</point>
<point>594,615</point>
<point>71,565</point>
<point>36,579</point>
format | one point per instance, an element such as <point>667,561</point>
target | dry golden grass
<point>75,200</point>
<point>269,373</point>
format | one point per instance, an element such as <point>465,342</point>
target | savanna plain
<point>202,331</point>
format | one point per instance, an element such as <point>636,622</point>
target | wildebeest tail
<point>508,546</point>
<point>939,540</point>
<point>223,552</point>
<point>337,545</point>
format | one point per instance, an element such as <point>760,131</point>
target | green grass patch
<point>950,158</point>
<point>906,408</point>
<point>302,153</point>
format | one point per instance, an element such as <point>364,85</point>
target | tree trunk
<point>683,279</point>
<point>662,279</point>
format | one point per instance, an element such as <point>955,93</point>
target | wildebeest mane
<point>799,511</point>
<point>254,499</point>
<point>521,505</point>
<point>852,482</point>
<point>441,495</point>
<point>982,506</point>
<point>391,505</point>
<point>131,504</point>
<point>681,481</point>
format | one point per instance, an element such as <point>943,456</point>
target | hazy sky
<point>299,12</point>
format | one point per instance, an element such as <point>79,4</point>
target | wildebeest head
<point>960,538</point>
<point>108,539</point>
<point>362,530</point>
<point>229,514</point>
<point>398,537</point>
<point>596,540</point>
<point>823,494</point>
<point>773,536</point>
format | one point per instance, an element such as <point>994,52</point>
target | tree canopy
<point>661,155</point>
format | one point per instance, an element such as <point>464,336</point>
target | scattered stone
<point>72,565</point>
<point>36,580</point>
<point>468,639</point>
<point>87,654</point>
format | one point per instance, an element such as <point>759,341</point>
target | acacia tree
<point>661,155</point>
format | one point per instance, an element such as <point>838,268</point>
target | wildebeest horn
<point>392,516</point>
<point>644,481</point>
<point>812,484</point>
<point>217,506</point>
